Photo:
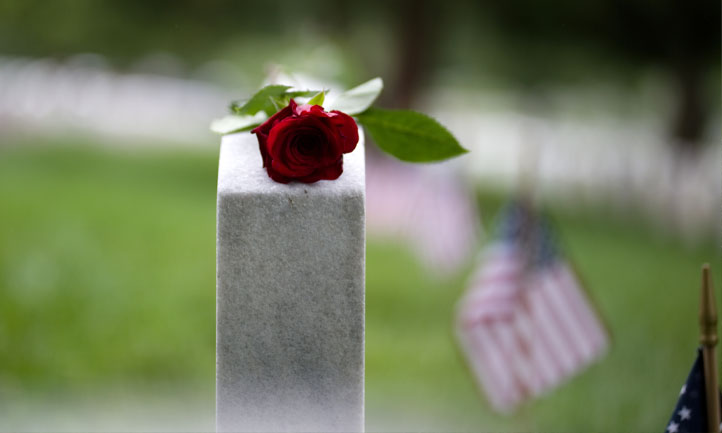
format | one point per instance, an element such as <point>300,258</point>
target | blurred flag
<point>525,323</point>
<point>425,206</point>
<point>690,414</point>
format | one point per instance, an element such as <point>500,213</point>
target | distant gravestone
<point>289,296</point>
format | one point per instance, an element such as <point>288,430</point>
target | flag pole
<point>708,338</point>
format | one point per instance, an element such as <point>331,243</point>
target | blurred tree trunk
<point>691,108</point>
<point>416,34</point>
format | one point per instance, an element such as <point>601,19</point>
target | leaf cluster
<point>405,134</point>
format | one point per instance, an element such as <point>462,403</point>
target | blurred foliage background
<point>107,234</point>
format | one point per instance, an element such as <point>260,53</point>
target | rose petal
<point>278,177</point>
<point>284,132</point>
<point>347,129</point>
<point>263,130</point>
<point>266,126</point>
<point>331,172</point>
<point>310,110</point>
<point>279,167</point>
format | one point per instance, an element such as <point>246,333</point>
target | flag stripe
<point>546,314</point>
<point>548,369</point>
<point>504,396</point>
<point>514,356</point>
<point>548,342</point>
<point>582,308</point>
<point>578,343</point>
<point>532,376</point>
<point>481,366</point>
<point>550,337</point>
<point>571,293</point>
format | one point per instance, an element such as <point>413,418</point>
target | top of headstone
<point>240,171</point>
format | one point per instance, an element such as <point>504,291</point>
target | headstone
<point>289,296</point>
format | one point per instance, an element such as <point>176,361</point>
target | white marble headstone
<point>289,296</point>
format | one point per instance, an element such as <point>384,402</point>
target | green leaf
<point>298,93</point>
<point>283,100</point>
<point>358,99</point>
<point>318,99</point>
<point>410,136</point>
<point>263,100</point>
<point>233,123</point>
<point>269,100</point>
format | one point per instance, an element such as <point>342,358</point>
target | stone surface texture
<point>289,296</point>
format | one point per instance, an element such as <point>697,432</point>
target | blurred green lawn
<point>107,282</point>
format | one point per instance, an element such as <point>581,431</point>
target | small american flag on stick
<point>525,323</point>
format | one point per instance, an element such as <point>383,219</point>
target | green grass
<point>107,276</point>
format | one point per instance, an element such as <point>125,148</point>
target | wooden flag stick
<point>708,339</point>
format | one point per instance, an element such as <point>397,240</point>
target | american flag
<point>427,207</point>
<point>525,323</point>
<point>690,414</point>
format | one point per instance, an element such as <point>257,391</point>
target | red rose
<point>306,143</point>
